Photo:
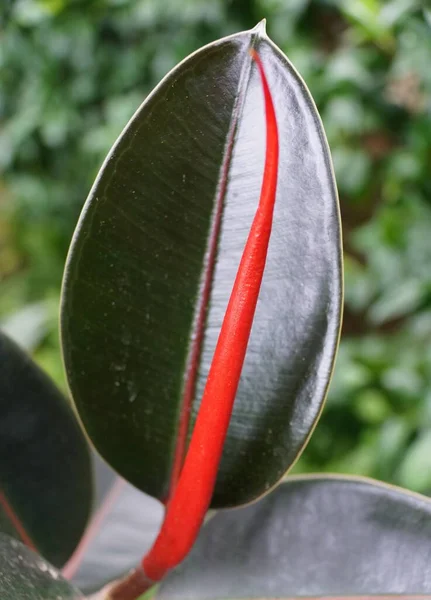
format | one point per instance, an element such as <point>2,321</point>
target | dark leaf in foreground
<point>45,475</point>
<point>26,576</point>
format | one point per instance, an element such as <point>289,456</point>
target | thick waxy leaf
<point>123,527</point>
<point>154,258</point>
<point>45,476</point>
<point>26,576</point>
<point>313,536</point>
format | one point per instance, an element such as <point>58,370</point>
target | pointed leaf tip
<point>260,28</point>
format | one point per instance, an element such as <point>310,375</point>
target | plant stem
<point>133,585</point>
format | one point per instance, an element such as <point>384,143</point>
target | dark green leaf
<point>313,536</point>
<point>26,576</point>
<point>45,476</point>
<point>135,324</point>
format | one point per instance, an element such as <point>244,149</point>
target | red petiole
<point>191,498</point>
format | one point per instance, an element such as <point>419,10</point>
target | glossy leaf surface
<point>154,258</point>
<point>45,475</point>
<point>26,576</point>
<point>312,537</point>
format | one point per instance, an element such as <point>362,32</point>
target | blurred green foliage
<point>72,72</point>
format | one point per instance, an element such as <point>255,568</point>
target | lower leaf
<point>24,575</point>
<point>312,537</point>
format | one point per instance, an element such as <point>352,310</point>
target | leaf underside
<point>154,258</point>
<point>312,537</point>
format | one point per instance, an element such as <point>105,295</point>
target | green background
<point>73,72</point>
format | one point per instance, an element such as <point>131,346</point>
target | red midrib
<point>192,495</point>
<point>204,297</point>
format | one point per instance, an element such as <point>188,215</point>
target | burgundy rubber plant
<point>201,312</point>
